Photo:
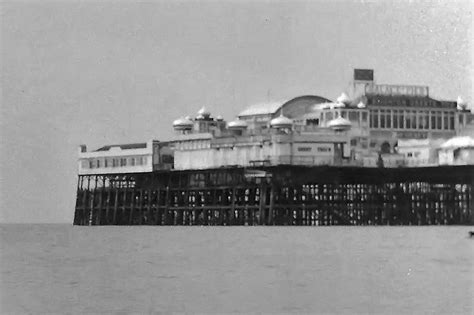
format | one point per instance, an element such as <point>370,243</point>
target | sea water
<point>64,269</point>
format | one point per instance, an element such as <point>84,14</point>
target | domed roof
<point>461,103</point>
<point>340,124</point>
<point>361,105</point>
<point>204,112</point>
<point>219,118</point>
<point>182,124</point>
<point>343,99</point>
<point>237,124</point>
<point>281,122</point>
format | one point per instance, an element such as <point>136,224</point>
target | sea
<point>65,269</point>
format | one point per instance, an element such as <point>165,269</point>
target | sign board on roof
<point>396,90</point>
<point>250,173</point>
<point>363,74</point>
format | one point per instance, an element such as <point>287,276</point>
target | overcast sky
<point>105,72</point>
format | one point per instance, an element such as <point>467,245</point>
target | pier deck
<point>279,195</point>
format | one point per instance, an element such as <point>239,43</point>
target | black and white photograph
<point>236,157</point>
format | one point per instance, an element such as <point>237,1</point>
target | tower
<point>362,78</point>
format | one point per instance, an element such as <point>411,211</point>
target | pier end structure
<point>370,157</point>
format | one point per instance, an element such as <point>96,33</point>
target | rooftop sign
<point>396,90</point>
<point>363,75</point>
<point>250,173</point>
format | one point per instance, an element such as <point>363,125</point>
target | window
<point>401,117</point>
<point>407,119</point>
<point>115,163</point>
<point>446,121</point>
<point>413,119</point>
<point>374,119</point>
<point>395,119</point>
<point>420,117</point>
<point>382,118</point>
<point>123,162</point>
<point>105,163</point>
<point>438,120</point>
<point>354,116</point>
<point>353,142</point>
<point>451,121</point>
<point>388,119</point>
<point>426,121</point>
<point>312,122</point>
<point>91,163</point>
<point>132,161</point>
<point>433,120</point>
<point>364,117</point>
<point>304,149</point>
<point>409,154</point>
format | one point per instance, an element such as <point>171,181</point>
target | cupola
<point>182,124</point>
<point>340,124</point>
<point>203,113</point>
<point>361,105</point>
<point>237,125</point>
<point>462,105</point>
<point>343,99</point>
<point>281,122</point>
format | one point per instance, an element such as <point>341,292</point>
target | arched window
<point>385,147</point>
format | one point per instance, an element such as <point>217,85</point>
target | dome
<point>182,124</point>
<point>343,99</point>
<point>461,103</point>
<point>281,122</point>
<point>219,118</point>
<point>204,112</point>
<point>237,124</point>
<point>361,105</point>
<point>340,124</point>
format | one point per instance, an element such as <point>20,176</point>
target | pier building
<point>377,155</point>
<point>126,158</point>
<point>457,151</point>
<point>275,141</point>
<point>405,112</point>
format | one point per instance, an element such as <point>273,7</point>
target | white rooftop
<point>261,109</point>
<point>419,142</point>
<point>458,142</point>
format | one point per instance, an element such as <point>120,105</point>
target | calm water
<point>87,270</point>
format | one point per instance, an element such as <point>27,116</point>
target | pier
<point>279,195</point>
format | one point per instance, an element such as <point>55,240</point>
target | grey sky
<point>105,72</point>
